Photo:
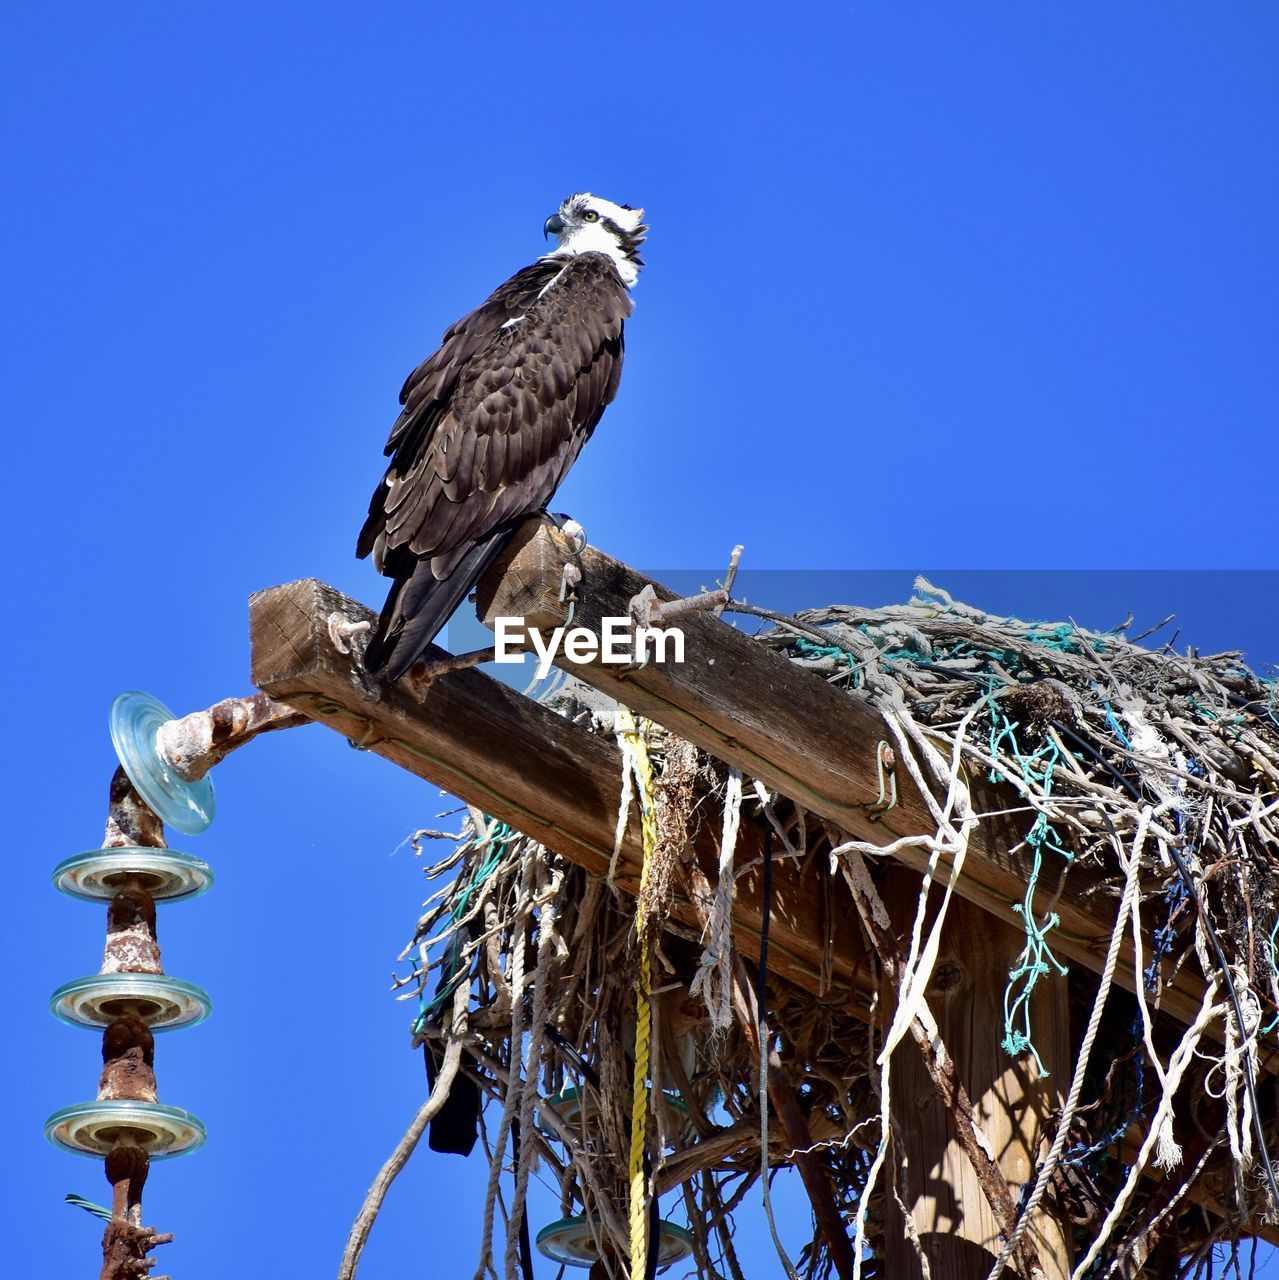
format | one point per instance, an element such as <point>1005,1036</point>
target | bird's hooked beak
<point>553,225</point>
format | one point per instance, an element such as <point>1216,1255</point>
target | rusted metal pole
<point>190,746</point>
<point>128,1047</point>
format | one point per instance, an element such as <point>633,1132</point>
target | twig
<point>730,577</point>
<point>372,1205</point>
<point>422,675</point>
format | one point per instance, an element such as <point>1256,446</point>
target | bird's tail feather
<point>418,606</point>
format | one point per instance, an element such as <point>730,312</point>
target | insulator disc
<point>94,1128</point>
<point>162,1002</point>
<point>165,874</point>
<point>186,806</point>
<point>579,1110</point>
<point>569,1241</point>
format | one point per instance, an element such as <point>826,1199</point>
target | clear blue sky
<point>982,286</point>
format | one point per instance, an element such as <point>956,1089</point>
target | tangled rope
<point>635,740</point>
<point>714,978</point>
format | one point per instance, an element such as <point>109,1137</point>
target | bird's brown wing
<point>428,390</point>
<point>491,424</point>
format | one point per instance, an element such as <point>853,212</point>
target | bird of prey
<point>493,420</point>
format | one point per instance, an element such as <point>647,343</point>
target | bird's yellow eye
<point>590,216</point>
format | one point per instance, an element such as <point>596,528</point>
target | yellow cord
<point>637,744</point>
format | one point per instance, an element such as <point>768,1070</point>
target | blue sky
<point>930,287</point>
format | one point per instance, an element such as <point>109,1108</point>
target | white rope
<point>1238,1103</point>
<point>1153,756</point>
<point>918,968</point>
<point>713,980</point>
<point>1177,1064</point>
<point>1126,1251</point>
<point>548,895</point>
<point>1168,1152</point>
<point>1085,1049</point>
<point>911,1005</point>
<point>513,1091</point>
<point>855,869</point>
<point>627,748</point>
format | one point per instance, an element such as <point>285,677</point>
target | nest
<point>1150,774</point>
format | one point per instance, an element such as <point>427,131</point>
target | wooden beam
<point>476,738</point>
<point>813,742</point>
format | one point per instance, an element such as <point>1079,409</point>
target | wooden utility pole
<point>956,1229</point>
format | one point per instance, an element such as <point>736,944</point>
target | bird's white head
<point>591,224</point>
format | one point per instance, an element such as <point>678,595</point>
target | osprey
<point>493,420</point>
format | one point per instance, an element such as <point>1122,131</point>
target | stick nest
<point>1147,777</point>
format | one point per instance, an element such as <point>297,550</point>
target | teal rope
<point>1037,769</point>
<point>1037,960</point>
<point>1274,965</point>
<point>497,844</point>
<point>1207,713</point>
<point>811,649</point>
<point>88,1206</point>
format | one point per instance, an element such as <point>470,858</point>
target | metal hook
<point>886,764</point>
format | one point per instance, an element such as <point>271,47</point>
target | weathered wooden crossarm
<point>809,740</point>
<point>478,739</point>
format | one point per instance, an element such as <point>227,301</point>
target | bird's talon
<point>570,576</point>
<point>632,668</point>
<point>641,606</point>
